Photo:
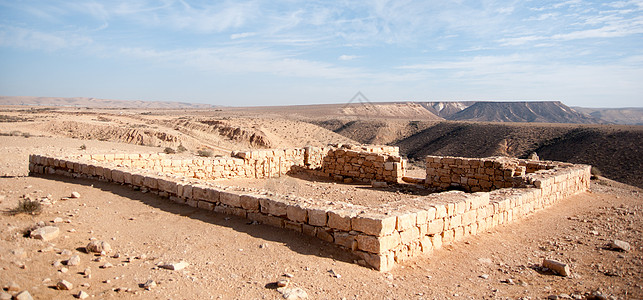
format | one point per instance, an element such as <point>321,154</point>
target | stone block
<point>230,199</point>
<point>294,226</point>
<point>150,182</point>
<point>205,205</point>
<point>435,226</point>
<point>325,235</point>
<point>297,213</point>
<point>374,224</point>
<point>308,230</point>
<point>340,219</point>
<point>406,221</point>
<point>273,207</point>
<point>410,235</point>
<point>317,216</point>
<point>345,239</point>
<point>249,201</point>
<point>137,179</point>
<point>200,192</point>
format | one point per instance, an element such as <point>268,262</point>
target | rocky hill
<point>95,103</point>
<point>540,112</point>
<point>626,116</point>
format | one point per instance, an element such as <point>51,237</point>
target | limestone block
<point>435,226</point>
<point>469,217</point>
<point>297,213</point>
<point>325,235</point>
<point>374,224</point>
<point>345,239</point>
<point>308,230</point>
<point>192,202</point>
<point>294,226</point>
<point>205,205</point>
<point>448,236</point>
<point>440,211</point>
<point>235,211</point>
<point>410,235</point>
<point>273,207</point>
<point>150,182</point>
<point>249,201</point>
<point>458,233</point>
<point>266,219</point>
<point>230,199</point>
<point>200,192</point>
<point>406,221</point>
<point>317,216</point>
<point>187,191</point>
<point>461,207</point>
<point>167,186</point>
<point>340,219</point>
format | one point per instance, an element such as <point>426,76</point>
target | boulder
<point>46,233</point>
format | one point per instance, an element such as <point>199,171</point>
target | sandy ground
<point>229,258</point>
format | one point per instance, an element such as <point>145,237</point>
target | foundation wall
<point>480,174</point>
<point>381,236</point>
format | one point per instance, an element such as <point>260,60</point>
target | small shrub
<point>169,150</point>
<point>83,147</point>
<point>27,206</point>
<point>205,153</point>
<point>180,148</point>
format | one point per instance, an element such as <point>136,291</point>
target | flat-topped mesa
<point>381,235</point>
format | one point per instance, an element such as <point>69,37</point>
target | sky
<point>271,52</point>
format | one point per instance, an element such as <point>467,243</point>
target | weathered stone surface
<point>24,295</point>
<point>64,285</point>
<point>73,261</point>
<point>98,247</point>
<point>230,199</point>
<point>317,217</point>
<point>75,195</point>
<point>175,266</point>
<point>373,224</point>
<point>293,293</point>
<point>249,201</point>
<point>297,213</point>
<point>82,295</point>
<point>46,233</point>
<point>406,221</point>
<point>340,220</point>
<point>560,268</point>
<point>619,245</point>
<point>5,296</point>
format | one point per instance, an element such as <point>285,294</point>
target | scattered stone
<point>106,265</point>
<point>57,220</point>
<point>98,247</point>
<point>64,270</point>
<point>82,295</point>
<point>484,260</point>
<point>620,245</point>
<point>47,249</point>
<point>24,295</point>
<point>150,284</point>
<point>64,285</point>
<point>46,233</point>
<point>73,261</point>
<point>334,274</point>
<point>484,276</point>
<point>12,287</point>
<point>379,184</point>
<point>66,252</point>
<point>175,266</point>
<point>289,275</point>
<point>293,293</point>
<point>87,271</point>
<point>556,266</point>
<point>5,296</point>
<point>75,195</point>
<point>282,283</point>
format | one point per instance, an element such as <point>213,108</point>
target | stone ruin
<point>471,195</point>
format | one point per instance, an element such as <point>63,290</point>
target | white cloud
<point>347,57</point>
<point>32,39</point>
<point>242,35</point>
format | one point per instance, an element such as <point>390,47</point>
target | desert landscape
<point>160,249</point>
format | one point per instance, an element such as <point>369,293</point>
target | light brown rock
<point>46,233</point>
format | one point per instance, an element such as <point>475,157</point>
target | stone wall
<point>360,164</point>
<point>480,174</point>
<point>381,236</point>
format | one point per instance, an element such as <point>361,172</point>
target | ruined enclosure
<point>470,195</point>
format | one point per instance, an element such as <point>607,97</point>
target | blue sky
<point>584,53</point>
